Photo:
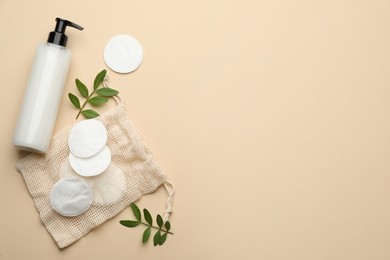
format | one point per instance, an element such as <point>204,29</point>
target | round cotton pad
<point>71,197</point>
<point>123,53</point>
<point>87,138</point>
<point>93,165</point>
<point>109,187</point>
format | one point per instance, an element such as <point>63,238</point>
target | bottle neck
<point>57,38</point>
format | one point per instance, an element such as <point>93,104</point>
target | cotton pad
<point>71,197</point>
<point>123,54</point>
<point>93,165</point>
<point>87,138</point>
<point>109,187</point>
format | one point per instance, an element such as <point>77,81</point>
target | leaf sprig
<point>163,229</point>
<point>97,97</point>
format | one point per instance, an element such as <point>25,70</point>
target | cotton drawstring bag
<point>132,173</point>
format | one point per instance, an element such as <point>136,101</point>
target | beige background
<point>270,117</point>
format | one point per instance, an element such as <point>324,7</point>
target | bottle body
<point>42,98</point>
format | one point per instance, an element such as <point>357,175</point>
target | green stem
<point>146,224</point>
<point>85,103</point>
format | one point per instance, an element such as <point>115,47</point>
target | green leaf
<point>136,211</point>
<point>99,79</point>
<point>146,235</point>
<point>89,113</point>
<point>82,88</point>
<point>96,101</point>
<point>159,221</point>
<point>163,239</point>
<point>167,225</point>
<point>148,217</point>
<point>107,92</point>
<point>75,100</point>
<point>157,238</point>
<point>129,223</point>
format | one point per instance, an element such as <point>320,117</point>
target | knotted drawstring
<point>171,191</point>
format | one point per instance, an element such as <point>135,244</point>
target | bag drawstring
<point>167,184</point>
<point>171,191</point>
<point>117,98</point>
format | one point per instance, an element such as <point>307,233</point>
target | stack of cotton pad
<point>89,156</point>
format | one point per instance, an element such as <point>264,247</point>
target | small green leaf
<point>148,217</point>
<point>129,223</point>
<point>89,113</point>
<point>159,221</point>
<point>146,235</point>
<point>157,238</point>
<point>75,100</point>
<point>168,225</point>
<point>107,92</point>
<point>82,88</point>
<point>163,239</point>
<point>96,101</point>
<point>99,79</point>
<point>136,211</point>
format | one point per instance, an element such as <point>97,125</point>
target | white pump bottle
<point>37,115</point>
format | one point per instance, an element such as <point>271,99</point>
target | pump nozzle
<point>58,35</point>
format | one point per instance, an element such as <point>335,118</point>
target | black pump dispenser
<point>58,35</point>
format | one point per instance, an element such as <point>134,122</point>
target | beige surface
<point>270,117</point>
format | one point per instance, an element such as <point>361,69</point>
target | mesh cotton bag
<point>133,172</point>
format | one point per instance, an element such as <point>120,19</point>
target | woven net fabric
<point>133,172</point>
